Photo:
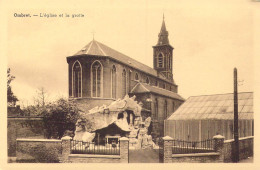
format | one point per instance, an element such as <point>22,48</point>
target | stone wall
<point>246,146</point>
<point>23,127</point>
<point>38,150</point>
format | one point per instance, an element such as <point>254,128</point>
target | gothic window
<point>164,85</point>
<point>124,83</point>
<point>77,78</point>
<point>156,83</point>
<point>147,80</point>
<point>170,62</point>
<point>136,77</point>
<point>113,82</point>
<point>156,109</point>
<point>96,70</point>
<point>129,80</point>
<point>160,61</point>
<point>165,110</point>
<point>173,106</point>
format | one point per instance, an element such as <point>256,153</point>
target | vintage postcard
<point>160,82</point>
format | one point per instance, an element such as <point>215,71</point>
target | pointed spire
<point>163,35</point>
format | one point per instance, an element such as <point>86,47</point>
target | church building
<point>99,75</point>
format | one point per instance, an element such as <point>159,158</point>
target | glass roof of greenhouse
<point>219,106</point>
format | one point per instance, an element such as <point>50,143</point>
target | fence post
<point>124,150</point>
<point>65,148</point>
<point>219,146</point>
<point>166,147</point>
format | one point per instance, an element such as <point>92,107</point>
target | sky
<point>210,38</point>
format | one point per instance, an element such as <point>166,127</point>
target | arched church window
<point>77,78</point>
<point>136,77</point>
<point>129,80</point>
<point>173,106</point>
<point>96,70</point>
<point>113,81</point>
<point>165,110</point>
<point>124,83</point>
<point>147,80</point>
<point>160,61</point>
<point>156,109</point>
<point>164,85</point>
<point>170,62</point>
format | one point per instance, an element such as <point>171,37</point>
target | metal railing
<point>80,147</point>
<point>182,147</point>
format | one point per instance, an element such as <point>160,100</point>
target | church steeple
<point>163,35</point>
<point>162,53</point>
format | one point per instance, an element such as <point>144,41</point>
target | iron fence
<point>80,147</point>
<point>182,147</point>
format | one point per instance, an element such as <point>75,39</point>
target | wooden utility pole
<point>236,148</point>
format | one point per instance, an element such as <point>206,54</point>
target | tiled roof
<point>220,106</point>
<point>146,88</point>
<point>98,49</point>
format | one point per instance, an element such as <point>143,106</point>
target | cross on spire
<point>163,16</point>
<point>93,34</point>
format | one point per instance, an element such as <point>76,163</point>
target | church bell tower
<point>162,54</point>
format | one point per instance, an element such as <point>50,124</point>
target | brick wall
<point>107,66</point>
<point>223,151</point>
<point>52,150</point>
<point>246,146</point>
<point>166,155</point>
<point>196,158</point>
<point>84,158</point>
<point>21,127</point>
<point>38,150</point>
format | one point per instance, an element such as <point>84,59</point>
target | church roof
<point>98,49</point>
<point>146,88</point>
<point>215,107</point>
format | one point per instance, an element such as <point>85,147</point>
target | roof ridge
<point>100,48</point>
<point>89,47</point>
<point>144,87</point>
<point>134,88</point>
<point>118,51</point>
<point>104,49</point>
<point>160,88</point>
<point>219,94</point>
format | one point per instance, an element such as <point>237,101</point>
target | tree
<point>40,98</point>
<point>60,116</point>
<point>11,98</point>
